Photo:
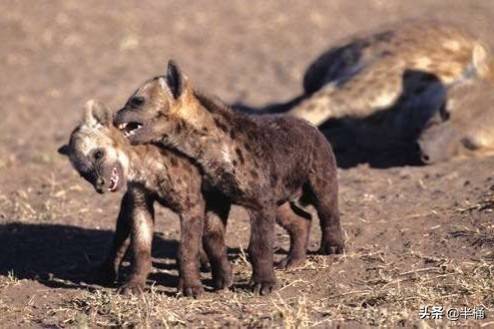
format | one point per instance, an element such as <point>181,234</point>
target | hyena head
<point>159,109</point>
<point>439,142</point>
<point>96,149</point>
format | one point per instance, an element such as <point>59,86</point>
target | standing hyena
<point>399,67</point>
<point>259,162</point>
<point>100,153</point>
<point>468,129</point>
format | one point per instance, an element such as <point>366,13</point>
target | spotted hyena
<point>395,68</point>
<point>100,153</point>
<point>465,129</point>
<point>259,162</point>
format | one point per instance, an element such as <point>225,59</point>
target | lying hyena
<point>101,154</point>
<point>259,162</point>
<point>413,62</point>
<point>466,129</point>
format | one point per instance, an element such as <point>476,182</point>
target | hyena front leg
<point>107,272</point>
<point>191,226</point>
<point>261,249</point>
<point>141,237</point>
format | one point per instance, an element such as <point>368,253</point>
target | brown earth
<point>415,235</point>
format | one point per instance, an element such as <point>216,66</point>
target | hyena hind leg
<point>324,195</point>
<point>204,260</point>
<point>214,243</point>
<point>297,224</point>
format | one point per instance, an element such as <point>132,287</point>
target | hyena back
<point>375,72</point>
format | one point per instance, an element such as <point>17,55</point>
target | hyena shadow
<point>389,136</point>
<point>65,256</point>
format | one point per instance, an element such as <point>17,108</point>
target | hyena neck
<point>136,166</point>
<point>134,159</point>
<point>145,163</point>
<point>212,143</point>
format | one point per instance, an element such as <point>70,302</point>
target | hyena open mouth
<point>129,128</point>
<point>114,179</point>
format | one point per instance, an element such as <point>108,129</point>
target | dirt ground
<point>416,236</point>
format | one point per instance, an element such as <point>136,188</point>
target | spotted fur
<point>467,128</point>
<point>409,62</point>
<point>153,174</point>
<point>258,162</point>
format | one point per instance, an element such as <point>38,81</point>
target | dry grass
<point>370,285</point>
<point>389,297</point>
<point>486,204</point>
<point>9,280</point>
<point>389,291</point>
<point>104,308</point>
<point>393,298</point>
<point>45,201</point>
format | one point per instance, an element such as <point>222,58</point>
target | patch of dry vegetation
<point>486,204</point>
<point>394,297</point>
<point>44,202</point>
<point>389,296</point>
<point>366,286</point>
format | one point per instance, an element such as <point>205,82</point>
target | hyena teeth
<point>113,180</point>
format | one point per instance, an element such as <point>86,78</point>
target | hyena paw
<point>132,287</point>
<point>190,289</point>
<point>223,279</point>
<point>205,266</point>
<point>290,262</point>
<point>331,247</point>
<point>263,287</point>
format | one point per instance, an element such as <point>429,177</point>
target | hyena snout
<point>110,178</point>
<point>438,143</point>
<point>99,185</point>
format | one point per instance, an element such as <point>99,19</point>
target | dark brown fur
<point>155,174</point>
<point>290,158</point>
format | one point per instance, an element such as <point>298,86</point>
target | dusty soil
<point>415,236</point>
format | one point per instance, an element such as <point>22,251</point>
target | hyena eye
<point>98,154</point>
<point>136,101</point>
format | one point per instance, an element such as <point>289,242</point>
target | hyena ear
<point>96,113</point>
<point>480,59</point>
<point>64,150</point>
<point>175,80</point>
